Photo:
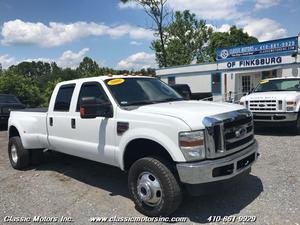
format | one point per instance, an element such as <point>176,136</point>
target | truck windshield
<point>278,85</point>
<point>8,99</point>
<point>141,91</point>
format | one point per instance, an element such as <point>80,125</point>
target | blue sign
<point>284,46</point>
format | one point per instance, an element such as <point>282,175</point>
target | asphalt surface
<point>72,187</point>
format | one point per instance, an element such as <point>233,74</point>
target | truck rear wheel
<point>18,156</point>
<point>153,187</point>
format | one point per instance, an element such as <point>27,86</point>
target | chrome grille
<point>263,105</point>
<point>228,133</point>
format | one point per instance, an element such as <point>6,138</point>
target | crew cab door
<point>93,138</point>
<point>60,133</point>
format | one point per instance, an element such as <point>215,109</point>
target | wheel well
<point>140,148</point>
<point>13,132</point>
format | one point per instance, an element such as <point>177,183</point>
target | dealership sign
<point>280,47</point>
<point>244,63</point>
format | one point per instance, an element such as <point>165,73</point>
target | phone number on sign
<point>232,219</point>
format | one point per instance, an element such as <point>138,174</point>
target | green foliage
<point>33,82</point>
<point>23,87</point>
<point>184,40</point>
<point>88,68</point>
<point>234,37</point>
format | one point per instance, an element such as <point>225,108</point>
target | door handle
<point>51,121</point>
<point>73,123</point>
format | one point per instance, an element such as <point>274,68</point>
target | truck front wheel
<point>153,187</point>
<point>18,156</point>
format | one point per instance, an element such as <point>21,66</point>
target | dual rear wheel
<point>21,158</point>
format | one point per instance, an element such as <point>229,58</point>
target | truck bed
<point>39,110</point>
<point>35,134</point>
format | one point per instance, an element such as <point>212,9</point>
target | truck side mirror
<point>91,107</point>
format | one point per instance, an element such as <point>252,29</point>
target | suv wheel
<point>153,187</point>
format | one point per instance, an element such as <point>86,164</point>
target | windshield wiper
<point>169,100</point>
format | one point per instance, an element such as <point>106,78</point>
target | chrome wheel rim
<point>149,189</point>
<point>14,154</point>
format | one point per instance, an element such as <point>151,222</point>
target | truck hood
<point>272,95</point>
<point>191,112</point>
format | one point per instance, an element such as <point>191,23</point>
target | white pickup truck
<point>276,100</point>
<point>142,126</point>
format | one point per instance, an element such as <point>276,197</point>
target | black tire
<point>170,195</point>
<point>18,156</point>
<point>36,156</point>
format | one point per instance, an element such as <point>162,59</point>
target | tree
<point>233,37</point>
<point>185,38</point>
<point>157,11</point>
<point>88,68</point>
<point>22,87</point>
<point>47,92</point>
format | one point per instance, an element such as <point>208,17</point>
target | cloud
<point>67,59</point>
<point>138,61</point>
<point>209,9</point>
<point>6,61</point>
<point>264,29</point>
<point>264,4</point>
<point>222,28</point>
<point>18,32</point>
<point>72,59</point>
<point>206,9</point>
<point>137,43</point>
<point>130,5</point>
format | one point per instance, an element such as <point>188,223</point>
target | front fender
<point>151,134</point>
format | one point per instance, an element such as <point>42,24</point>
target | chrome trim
<point>263,105</point>
<point>290,116</point>
<point>216,133</point>
<point>201,172</point>
<point>232,140</point>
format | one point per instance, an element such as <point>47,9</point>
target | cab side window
<point>92,89</point>
<point>63,98</point>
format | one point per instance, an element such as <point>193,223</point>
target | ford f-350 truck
<point>144,127</point>
<point>276,101</point>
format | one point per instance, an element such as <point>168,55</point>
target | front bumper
<point>275,117</point>
<point>218,169</point>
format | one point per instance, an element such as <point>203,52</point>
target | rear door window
<point>63,98</point>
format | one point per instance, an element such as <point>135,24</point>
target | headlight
<point>290,105</point>
<point>192,145</point>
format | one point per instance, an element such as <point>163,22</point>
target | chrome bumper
<point>218,169</point>
<point>275,117</point>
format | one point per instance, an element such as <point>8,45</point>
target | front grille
<point>263,105</point>
<point>228,133</point>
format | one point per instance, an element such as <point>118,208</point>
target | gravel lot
<point>69,186</point>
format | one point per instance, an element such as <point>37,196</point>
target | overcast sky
<point>118,35</point>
